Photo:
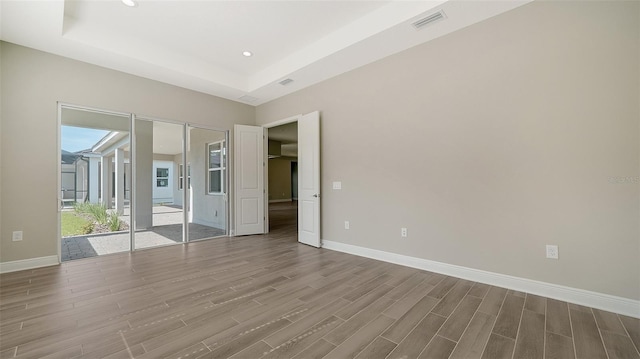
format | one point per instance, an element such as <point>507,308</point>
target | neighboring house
<point>84,180</point>
<point>82,175</point>
<point>74,177</point>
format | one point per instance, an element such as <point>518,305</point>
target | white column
<point>120,181</point>
<point>93,180</point>
<point>105,192</point>
<point>144,174</point>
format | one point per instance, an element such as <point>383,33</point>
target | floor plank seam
<point>191,353</point>
<point>604,345</point>
<point>626,330</point>
<point>126,345</point>
<point>439,315</point>
<point>464,331</point>
<point>502,336</point>
<point>544,332</point>
<point>554,333</point>
<point>312,330</point>
<point>484,346</point>
<point>236,298</point>
<point>573,335</point>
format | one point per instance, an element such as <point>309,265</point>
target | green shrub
<point>87,228</point>
<point>100,214</point>
<point>113,222</point>
<point>80,207</point>
<point>98,211</point>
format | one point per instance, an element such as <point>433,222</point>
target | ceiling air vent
<point>285,82</point>
<point>428,20</point>
<point>247,98</point>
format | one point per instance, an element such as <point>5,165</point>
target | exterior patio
<point>167,229</point>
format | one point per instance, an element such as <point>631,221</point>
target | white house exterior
<point>102,174</point>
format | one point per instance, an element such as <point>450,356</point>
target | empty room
<point>319,179</point>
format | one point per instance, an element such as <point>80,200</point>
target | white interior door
<point>249,179</point>
<point>309,179</point>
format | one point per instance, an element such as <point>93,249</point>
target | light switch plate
<point>337,185</point>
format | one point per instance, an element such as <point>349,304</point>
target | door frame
<point>60,105</point>
<point>267,126</point>
<point>133,117</point>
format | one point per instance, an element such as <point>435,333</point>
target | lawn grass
<point>74,225</point>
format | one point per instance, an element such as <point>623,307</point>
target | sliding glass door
<point>159,208</point>
<point>207,183</point>
<point>95,182</point>
<point>166,180</point>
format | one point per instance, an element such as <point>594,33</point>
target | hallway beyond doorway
<point>283,219</point>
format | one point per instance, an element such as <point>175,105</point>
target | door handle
<point>316,195</point>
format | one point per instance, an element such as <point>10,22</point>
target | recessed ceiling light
<point>130,3</point>
<point>245,53</point>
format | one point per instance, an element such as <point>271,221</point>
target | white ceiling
<point>198,44</point>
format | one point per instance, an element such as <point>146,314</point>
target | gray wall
<point>280,178</point>
<point>32,83</point>
<point>144,174</point>
<point>491,142</point>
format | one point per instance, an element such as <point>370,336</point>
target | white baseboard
<point>280,200</point>
<point>587,298</point>
<point>30,263</point>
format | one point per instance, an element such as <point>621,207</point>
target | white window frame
<point>222,168</point>
<point>181,176</point>
<point>160,178</point>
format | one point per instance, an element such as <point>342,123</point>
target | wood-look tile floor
<point>269,297</point>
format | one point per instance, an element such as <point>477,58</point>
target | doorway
<point>251,201</point>
<point>282,179</point>
<point>307,177</point>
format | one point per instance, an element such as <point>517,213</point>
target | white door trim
<point>284,121</point>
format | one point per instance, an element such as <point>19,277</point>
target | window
<point>216,167</point>
<point>162,177</point>
<point>181,176</point>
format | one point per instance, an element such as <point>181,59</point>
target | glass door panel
<point>207,193</point>
<point>95,183</point>
<point>159,183</point>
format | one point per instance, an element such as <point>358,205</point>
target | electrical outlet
<point>552,251</point>
<point>403,232</point>
<point>346,224</point>
<point>17,236</point>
